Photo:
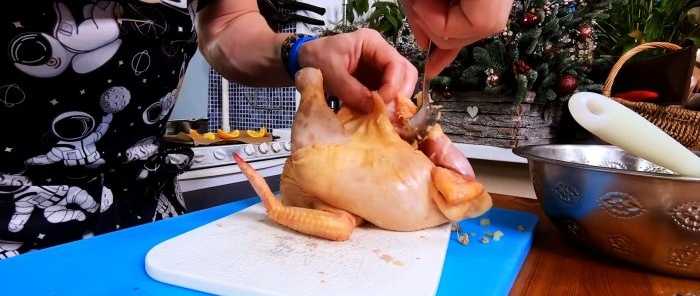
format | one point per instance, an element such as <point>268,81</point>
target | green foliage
<point>544,40</point>
<point>355,9</point>
<point>384,16</point>
<point>633,22</point>
<point>387,18</point>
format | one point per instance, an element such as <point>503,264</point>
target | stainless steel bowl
<point>620,205</point>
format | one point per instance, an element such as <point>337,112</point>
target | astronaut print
<point>107,199</point>
<point>143,150</point>
<point>88,86</point>
<point>164,209</point>
<point>76,146</point>
<point>54,201</point>
<point>84,45</point>
<point>9,249</point>
<point>159,110</point>
<point>11,95</point>
<point>114,99</point>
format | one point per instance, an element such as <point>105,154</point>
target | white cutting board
<point>246,253</point>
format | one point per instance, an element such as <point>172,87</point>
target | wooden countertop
<point>555,266</point>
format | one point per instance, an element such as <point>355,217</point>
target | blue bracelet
<point>294,52</point>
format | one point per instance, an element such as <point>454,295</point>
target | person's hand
<point>353,64</point>
<point>237,42</point>
<point>451,25</point>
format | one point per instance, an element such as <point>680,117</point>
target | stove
<point>214,178</point>
<point>221,155</point>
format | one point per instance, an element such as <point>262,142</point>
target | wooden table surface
<point>555,266</point>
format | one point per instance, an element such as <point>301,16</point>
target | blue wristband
<point>294,52</point>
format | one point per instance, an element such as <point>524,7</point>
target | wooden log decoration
<point>494,120</point>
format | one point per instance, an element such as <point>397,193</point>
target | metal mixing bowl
<point>619,204</point>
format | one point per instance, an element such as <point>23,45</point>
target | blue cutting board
<point>113,264</point>
<point>488,269</point>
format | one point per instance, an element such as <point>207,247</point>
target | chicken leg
<point>334,225</point>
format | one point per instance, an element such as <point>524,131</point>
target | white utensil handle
<point>225,99</point>
<point>624,128</point>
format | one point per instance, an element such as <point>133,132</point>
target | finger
<point>409,83</point>
<point>391,64</point>
<point>390,82</point>
<point>399,79</point>
<point>439,60</point>
<point>451,43</point>
<point>438,39</point>
<point>473,20</point>
<point>432,12</point>
<point>415,24</point>
<point>349,90</point>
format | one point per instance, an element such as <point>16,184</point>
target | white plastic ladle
<point>620,126</point>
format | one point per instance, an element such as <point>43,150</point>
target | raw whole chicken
<point>348,168</point>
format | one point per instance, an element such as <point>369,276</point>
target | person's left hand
<point>353,64</point>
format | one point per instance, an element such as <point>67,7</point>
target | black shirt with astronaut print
<point>86,88</point>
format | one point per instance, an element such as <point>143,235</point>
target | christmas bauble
<point>446,94</point>
<point>566,85</point>
<point>530,19</point>
<point>585,32</point>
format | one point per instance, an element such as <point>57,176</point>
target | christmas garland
<point>548,48</point>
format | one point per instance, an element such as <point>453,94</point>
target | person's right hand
<point>451,25</point>
<point>355,63</point>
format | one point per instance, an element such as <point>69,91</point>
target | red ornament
<point>530,19</point>
<point>446,94</point>
<point>585,32</point>
<point>520,67</point>
<point>566,85</point>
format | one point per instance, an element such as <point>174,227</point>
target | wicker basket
<point>681,124</point>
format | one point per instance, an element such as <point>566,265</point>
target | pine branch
<point>548,80</point>
<point>532,46</point>
<point>494,90</point>
<point>531,78</point>
<point>496,51</point>
<point>473,75</point>
<point>549,95</point>
<point>481,56</point>
<point>521,91</point>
